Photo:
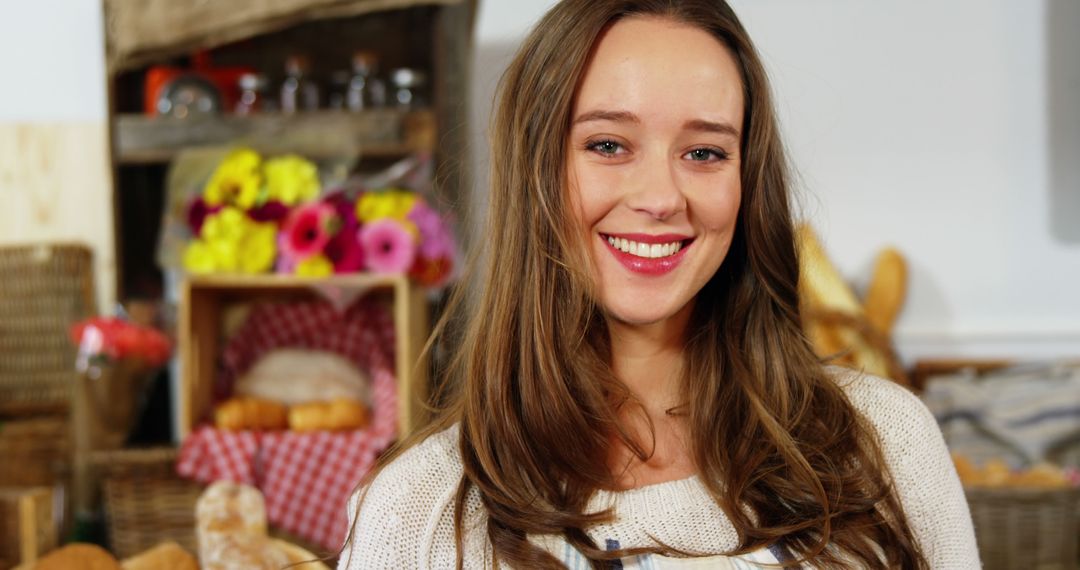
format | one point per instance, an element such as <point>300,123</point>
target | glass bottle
<point>298,91</point>
<point>252,93</point>
<point>366,91</point>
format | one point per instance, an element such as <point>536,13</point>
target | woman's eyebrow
<point>700,125</point>
<point>712,127</point>
<point>602,115</point>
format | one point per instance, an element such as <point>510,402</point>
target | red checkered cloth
<point>305,477</point>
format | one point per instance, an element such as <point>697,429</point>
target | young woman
<point>631,387</point>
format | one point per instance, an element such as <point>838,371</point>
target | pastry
<point>78,556</point>
<point>165,556</point>
<point>250,413</point>
<point>340,414</point>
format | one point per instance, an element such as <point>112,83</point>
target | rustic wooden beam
<point>320,134</point>
<point>138,32</point>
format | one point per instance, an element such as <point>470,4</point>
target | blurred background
<point>181,184</point>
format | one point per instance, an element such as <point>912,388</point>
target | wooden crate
<point>212,306</point>
<point>27,525</point>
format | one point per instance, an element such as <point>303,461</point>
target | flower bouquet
<point>261,216</point>
<point>116,360</point>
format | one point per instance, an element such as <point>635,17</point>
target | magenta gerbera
<point>272,211</point>
<point>308,229</point>
<point>197,212</point>
<point>388,247</point>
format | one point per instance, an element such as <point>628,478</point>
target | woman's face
<point>653,164</point>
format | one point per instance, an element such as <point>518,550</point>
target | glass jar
<point>408,88</point>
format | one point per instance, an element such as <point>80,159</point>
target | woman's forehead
<point>661,69</point>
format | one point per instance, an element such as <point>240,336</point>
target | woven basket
<point>145,501</point>
<point>1026,528</point>
<point>43,290</point>
<point>35,452</point>
<point>27,525</point>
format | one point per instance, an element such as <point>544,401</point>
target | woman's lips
<point>653,255</point>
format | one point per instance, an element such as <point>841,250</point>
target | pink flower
<point>435,239</point>
<point>308,229</point>
<point>284,264</point>
<point>388,247</point>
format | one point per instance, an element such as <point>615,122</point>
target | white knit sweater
<point>407,520</point>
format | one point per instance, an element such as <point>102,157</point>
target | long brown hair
<point>778,446</point>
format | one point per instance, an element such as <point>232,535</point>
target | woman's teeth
<point>645,249</point>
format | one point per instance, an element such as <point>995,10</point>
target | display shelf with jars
<point>370,80</point>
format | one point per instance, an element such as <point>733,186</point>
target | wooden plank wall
<point>56,186</point>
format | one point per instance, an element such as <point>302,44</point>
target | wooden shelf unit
<point>142,139</point>
<point>205,322</point>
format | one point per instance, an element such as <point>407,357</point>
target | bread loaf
<point>165,556</point>
<point>231,529</point>
<point>340,414</point>
<point>250,413</point>
<point>297,376</point>
<point>78,556</point>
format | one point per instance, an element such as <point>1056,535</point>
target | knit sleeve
<point>922,471</point>
<point>404,512</point>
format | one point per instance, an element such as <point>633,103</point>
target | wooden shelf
<point>206,304</point>
<point>141,139</point>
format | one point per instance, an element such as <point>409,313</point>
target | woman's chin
<point>644,314</point>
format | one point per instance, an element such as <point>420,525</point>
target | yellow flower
<point>227,224</point>
<point>258,248</point>
<point>226,255</point>
<point>315,266</point>
<point>393,203</point>
<point>291,180</point>
<point>236,181</point>
<point>199,258</point>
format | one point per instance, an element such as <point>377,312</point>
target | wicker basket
<point>27,525</point>
<point>43,290</point>
<point>35,452</point>
<point>145,501</point>
<point>1026,528</point>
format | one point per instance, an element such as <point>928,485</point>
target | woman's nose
<point>657,192</point>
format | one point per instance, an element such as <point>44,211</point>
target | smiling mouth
<point>647,250</point>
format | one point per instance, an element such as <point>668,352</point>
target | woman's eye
<point>706,154</point>
<point>605,147</point>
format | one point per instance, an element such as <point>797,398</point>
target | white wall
<point>55,177</point>
<point>924,125</point>
<point>52,57</point>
